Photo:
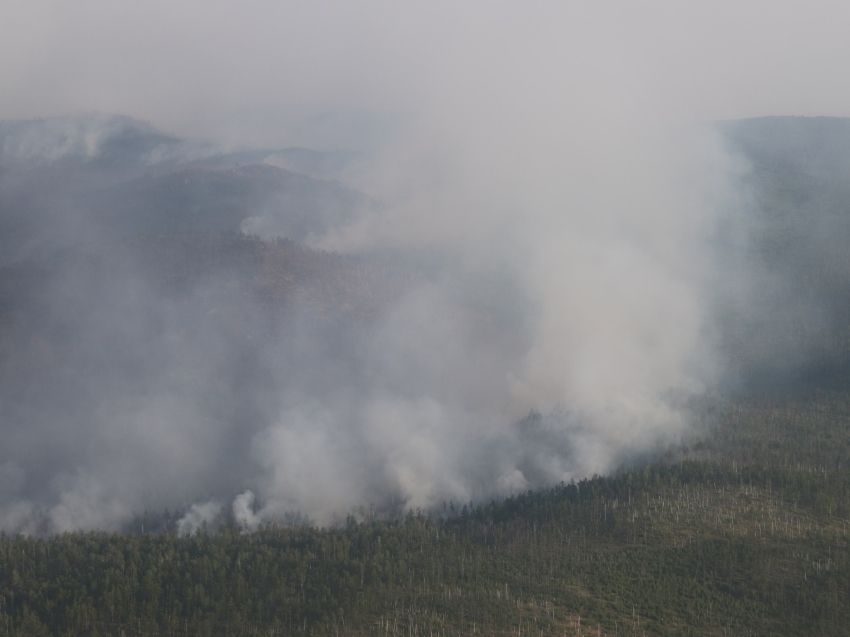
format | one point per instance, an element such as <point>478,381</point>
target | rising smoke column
<point>537,163</point>
<point>572,203</point>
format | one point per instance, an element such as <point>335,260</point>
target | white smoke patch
<point>410,438</point>
<point>617,274</point>
<point>21,517</point>
<point>433,387</point>
<point>86,503</point>
<point>378,452</point>
<point>313,461</point>
<point>136,457</point>
<point>243,511</point>
<point>198,517</point>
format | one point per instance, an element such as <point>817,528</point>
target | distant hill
<point>117,142</point>
<point>71,180</point>
<point>795,323</point>
<point>257,199</point>
<point>108,141</point>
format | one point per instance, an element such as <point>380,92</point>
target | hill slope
<point>696,547</point>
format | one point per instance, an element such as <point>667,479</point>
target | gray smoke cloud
<point>529,248</point>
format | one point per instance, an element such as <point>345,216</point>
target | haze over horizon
<point>553,166</point>
<point>297,73</point>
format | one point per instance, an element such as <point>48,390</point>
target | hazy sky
<point>253,71</point>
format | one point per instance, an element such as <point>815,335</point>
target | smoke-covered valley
<point>396,256</point>
<point>177,333</point>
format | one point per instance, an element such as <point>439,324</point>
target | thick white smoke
<point>543,164</point>
<point>595,295</point>
<point>573,206</point>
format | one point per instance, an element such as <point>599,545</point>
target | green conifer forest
<point>744,532</point>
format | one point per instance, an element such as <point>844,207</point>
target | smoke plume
<point>511,258</point>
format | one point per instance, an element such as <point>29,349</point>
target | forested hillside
<point>98,179</point>
<point>145,328</point>
<point>745,532</point>
<point>792,325</point>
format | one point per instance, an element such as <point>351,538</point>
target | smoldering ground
<point>537,226</point>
